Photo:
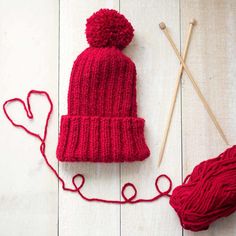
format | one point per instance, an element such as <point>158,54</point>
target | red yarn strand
<point>130,200</point>
<point>206,195</point>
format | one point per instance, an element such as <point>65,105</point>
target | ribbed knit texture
<point>102,123</point>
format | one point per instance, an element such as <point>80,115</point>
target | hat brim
<point>101,139</point>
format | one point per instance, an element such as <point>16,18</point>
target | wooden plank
<point>157,68</point>
<point>77,217</point>
<point>29,52</point>
<point>28,60</point>
<point>212,61</point>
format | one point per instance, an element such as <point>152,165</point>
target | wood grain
<point>39,40</point>
<point>156,69</point>
<point>28,59</point>
<point>211,60</point>
<point>103,180</point>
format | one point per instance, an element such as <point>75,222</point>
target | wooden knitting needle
<point>176,89</point>
<point>206,105</point>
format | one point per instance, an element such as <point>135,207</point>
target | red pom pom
<point>108,28</point>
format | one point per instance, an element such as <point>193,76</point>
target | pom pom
<point>108,28</point>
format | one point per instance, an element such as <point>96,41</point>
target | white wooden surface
<point>39,40</point>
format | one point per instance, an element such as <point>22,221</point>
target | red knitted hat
<point>102,123</point>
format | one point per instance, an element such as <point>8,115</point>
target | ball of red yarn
<point>208,193</point>
<point>108,28</point>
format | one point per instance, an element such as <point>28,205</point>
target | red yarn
<point>108,28</point>
<point>102,104</point>
<point>208,193</point>
<point>102,108</point>
<point>130,200</point>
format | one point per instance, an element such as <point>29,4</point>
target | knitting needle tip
<point>162,25</point>
<point>193,22</point>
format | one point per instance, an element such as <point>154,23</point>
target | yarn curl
<point>208,193</point>
<point>78,188</point>
<point>108,28</point>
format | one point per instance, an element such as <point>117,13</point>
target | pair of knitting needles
<point>183,66</point>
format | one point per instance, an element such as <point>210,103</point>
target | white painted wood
<point>77,217</point>
<point>212,61</point>
<point>29,34</point>
<point>157,69</point>
<point>28,59</point>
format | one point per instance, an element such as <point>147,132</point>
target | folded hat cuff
<point>101,139</point>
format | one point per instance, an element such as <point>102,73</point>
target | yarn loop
<point>157,187</point>
<point>206,195</point>
<point>77,188</point>
<point>128,199</point>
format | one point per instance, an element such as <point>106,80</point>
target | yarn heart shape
<point>77,187</point>
<point>29,114</point>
